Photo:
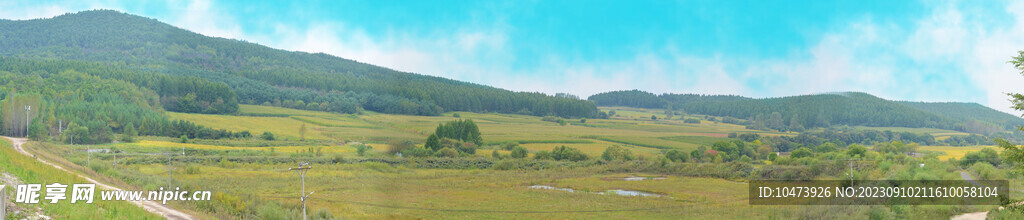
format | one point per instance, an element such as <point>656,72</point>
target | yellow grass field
<point>954,152</point>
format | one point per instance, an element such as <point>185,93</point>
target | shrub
<point>267,136</point>
<point>542,155</point>
<point>322,214</point>
<point>567,153</point>
<point>677,156</point>
<point>617,152</point>
<point>192,170</point>
<point>447,152</point>
<point>338,158</point>
<point>519,152</point>
<point>691,121</point>
<point>801,153</point>
<point>457,115</point>
<point>362,148</point>
<point>856,150</point>
<point>496,155</point>
<point>417,152</point>
<point>986,171</point>
<point>583,120</point>
<point>987,155</point>
<point>510,146</point>
<point>400,146</point>
<point>549,118</point>
<point>271,210</point>
<point>184,139</point>
<point>745,159</point>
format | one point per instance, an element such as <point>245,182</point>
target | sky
<point>939,51</point>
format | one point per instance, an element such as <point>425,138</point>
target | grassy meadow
<point>646,135</point>
<point>28,170</point>
<point>250,178</point>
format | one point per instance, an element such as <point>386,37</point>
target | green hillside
<point>263,75</point>
<point>823,110</point>
<point>974,115</point>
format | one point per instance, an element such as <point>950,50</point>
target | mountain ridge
<point>261,74</point>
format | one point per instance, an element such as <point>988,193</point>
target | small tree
<point>433,143</point>
<point>856,150</point>
<point>519,152</point>
<point>654,118</point>
<point>617,153</point>
<point>361,149</point>
<point>267,136</point>
<point>37,131</point>
<point>447,152</point>
<point>129,133</point>
<point>184,139</point>
<point>801,153</point>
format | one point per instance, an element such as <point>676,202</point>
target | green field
<point>29,171</point>
<point>356,186</point>
<point>533,133</point>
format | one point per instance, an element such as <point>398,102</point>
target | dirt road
<point>151,206</point>
<point>972,215</point>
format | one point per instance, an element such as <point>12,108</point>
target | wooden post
<point>3,203</point>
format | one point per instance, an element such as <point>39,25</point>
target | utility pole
<point>850,161</point>
<point>27,109</point>
<point>303,167</point>
<point>168,172</point>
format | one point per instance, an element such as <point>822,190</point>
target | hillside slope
<point>973,114</point>
<point>263,75</point>
<point>823,110</point>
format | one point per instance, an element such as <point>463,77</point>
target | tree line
<point>75,106</point>
<point>259,74</point>
<point>796,113</point>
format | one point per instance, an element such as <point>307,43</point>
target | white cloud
<point>13,11</point>
<point>202,17</point>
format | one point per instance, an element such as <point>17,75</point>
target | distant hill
<point>973,114</point>
<point>263,75</point>
<point>824,110</point>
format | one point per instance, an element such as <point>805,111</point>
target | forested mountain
<point>259,74</point>
<point>631,98</point>
<point>976,116</point>
<point>824,110</point>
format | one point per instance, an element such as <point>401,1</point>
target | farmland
<point>529,131</point>
<point>377,185</point>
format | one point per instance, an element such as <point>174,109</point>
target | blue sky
<point>902,50</point>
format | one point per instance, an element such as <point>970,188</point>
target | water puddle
<point>551,188</point>
<point>620,192</point>
<point>623,192</point>
<point>639,178</point>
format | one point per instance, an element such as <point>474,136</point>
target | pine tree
<point>129,133</point>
